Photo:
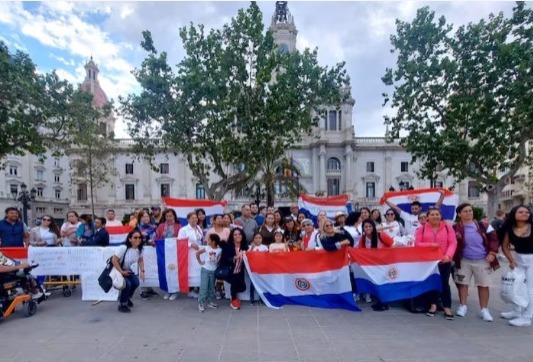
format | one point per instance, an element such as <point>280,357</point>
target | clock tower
<point>282,28</point>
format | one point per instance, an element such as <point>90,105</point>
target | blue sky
<point>63,35</point>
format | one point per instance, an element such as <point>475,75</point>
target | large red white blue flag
<point>118,234</point>
<point>173,264</point>
<point>314,279</point>
<point>427,197</point>
<point>185,206</point>
<point>396,273</point>
<point>311,205</point>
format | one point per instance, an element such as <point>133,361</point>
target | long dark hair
<point>231,239</point>
<point>202,224</point>
<point>130,234</point>
<point>352,218</point>
<point>176,220</point>
<point>53,226</point>
<point>378,220</point>
<point>374,235</point>
<point>510,221</point>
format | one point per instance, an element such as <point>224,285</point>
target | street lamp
<point>25,197</point>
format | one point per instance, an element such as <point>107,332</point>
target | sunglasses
<point>328,225</point>
<point>47,219</point>
<point>136,237</point>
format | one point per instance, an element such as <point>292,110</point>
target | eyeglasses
<point>47,219</point>
<point>136,237</point>
<point>328,226</point>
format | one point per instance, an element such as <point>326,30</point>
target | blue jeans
<point>132,282</point>
<point>207,286</point>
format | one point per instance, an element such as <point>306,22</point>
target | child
<point>86,228</point>
<point>278,246</point>
<point>207,275</point>
<point>257,245</point>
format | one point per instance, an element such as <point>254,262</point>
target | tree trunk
<point>91,182</point>
<point>494,199</point>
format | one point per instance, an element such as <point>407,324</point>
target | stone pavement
<point>67,329</point>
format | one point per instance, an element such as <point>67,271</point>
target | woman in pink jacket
<point>438,233</point>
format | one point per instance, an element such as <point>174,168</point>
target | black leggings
<point>238,284</point>
<point>446,294</point>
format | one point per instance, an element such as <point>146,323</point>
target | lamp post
<point>258,194</point>
<point>25,197</point>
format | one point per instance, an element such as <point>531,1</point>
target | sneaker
<point>212,305</point>
<point>173,296</point>
<point>486,315</point>
<point>130,303</point>
<point>145,296</point>
<point>218,295</point>
<point>193,294</point>
<point>37,295</point>
<point>234,304</point>
<point>239,303</point>
<point>356,297</point>
<point>167,296</point>
<point>520,322</point>
<point>201,308</point>
<point>461,311</point>
<point>368,298</point>
<point>510,315</point>
<point>124,309</point>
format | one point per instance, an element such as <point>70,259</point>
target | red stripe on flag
<point>183,265</point>
<point>340,200</point>
<point>118,230</point>
<point>15,252</point>
<point>388,195</point>
<point>296,262</point>
<point>192,202</point>
<point>387,256</point>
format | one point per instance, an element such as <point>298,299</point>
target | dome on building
<point>91,84</point>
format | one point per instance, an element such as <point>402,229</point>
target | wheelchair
<point>20,288</point>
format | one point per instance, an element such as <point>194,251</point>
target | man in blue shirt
<point>13,232</point>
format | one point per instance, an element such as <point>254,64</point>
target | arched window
<point>334,164</point>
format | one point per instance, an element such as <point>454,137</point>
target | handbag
<point>223,272</point>
<point>104,280</point>
<point>513,288</point>
<point>118,279</point>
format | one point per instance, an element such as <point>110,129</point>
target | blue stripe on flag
<point>397,291</point>
<point>330,301</point>
<point>161,264</point>
<point>448,211</point>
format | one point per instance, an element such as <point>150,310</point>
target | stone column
<point>322,156</point>
<point>348,156</point>
<point>387,172</point>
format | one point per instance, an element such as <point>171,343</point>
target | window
<point>130,190</point>
<point>439,184</point>
<point>58,194</point>
<point>40,175</point>
<point>56,162</point>
<point>82,192</point>
<point>279,187</point>
<point>334,164</point>
<point>370,167</point>
<point>103,128</point>
<point>13,189</point>
<point>129,169</point>
<point>13,170</point>
<point>404,167</point>
<point>370,189</point>
<point>200,191</point>
<point>340,120</point>
<point>163,168</point>
<point>165,190</point>
<point>39,192</point>
<point>332,120</point>
<point>56,178</point>
<point>473,189</point>
<point>334,186</point>
<point>40,210</point>
<point>58,210</point>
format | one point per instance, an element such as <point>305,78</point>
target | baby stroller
<point>18,288</point>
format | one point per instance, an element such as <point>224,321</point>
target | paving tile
<point>278,351</point>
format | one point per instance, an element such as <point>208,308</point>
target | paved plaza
<point>67,329</point>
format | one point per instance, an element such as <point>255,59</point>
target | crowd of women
<point>469,247</point>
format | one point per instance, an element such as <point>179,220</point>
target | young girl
<point>257,245</point>
<point>207,274</point>
<point>278,246</point>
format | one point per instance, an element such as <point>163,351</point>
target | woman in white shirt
<point>69,228</point>
<point>195,234</point>
<point>47,234</point>
<point>391,226</point>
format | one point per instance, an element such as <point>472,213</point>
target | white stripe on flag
<point>171,265</point>
<point>396,273</point>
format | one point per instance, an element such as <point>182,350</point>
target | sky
<point>64,35</point>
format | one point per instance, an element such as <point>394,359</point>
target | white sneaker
<point>368,298</point>
<point>356,297</point>
<point>461,311</point>
<point>212,305</point>
<point>193,295</point>
<point>201,308</point>
<point>166,296</point>
<point>173,296</point>
<point>520,322</point>
<point>512,314</point>
<point>486,315</point>
<point>37,295</point>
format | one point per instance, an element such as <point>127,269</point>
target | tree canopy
<point>233,102</point>
<point>464,96</point>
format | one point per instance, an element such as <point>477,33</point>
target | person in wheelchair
<point>9,270</point>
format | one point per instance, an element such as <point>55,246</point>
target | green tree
<point>32,106</point>
<point>464,97</point>
<point>233,103</point>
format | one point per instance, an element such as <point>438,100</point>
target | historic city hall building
<point>332,161</point>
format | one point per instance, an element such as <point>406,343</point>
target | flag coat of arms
<point>173,264</point>
<point>427,197</point>
<point>117,234</point>
<point>314,279</point>
<point>396,273</point>
<point>184,206</point>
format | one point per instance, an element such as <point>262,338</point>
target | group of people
<point>470,248</point>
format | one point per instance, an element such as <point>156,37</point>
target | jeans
<point>207,286</point>
<point>525,261</point>
<point>446,294</point>
<point>132,282</point>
